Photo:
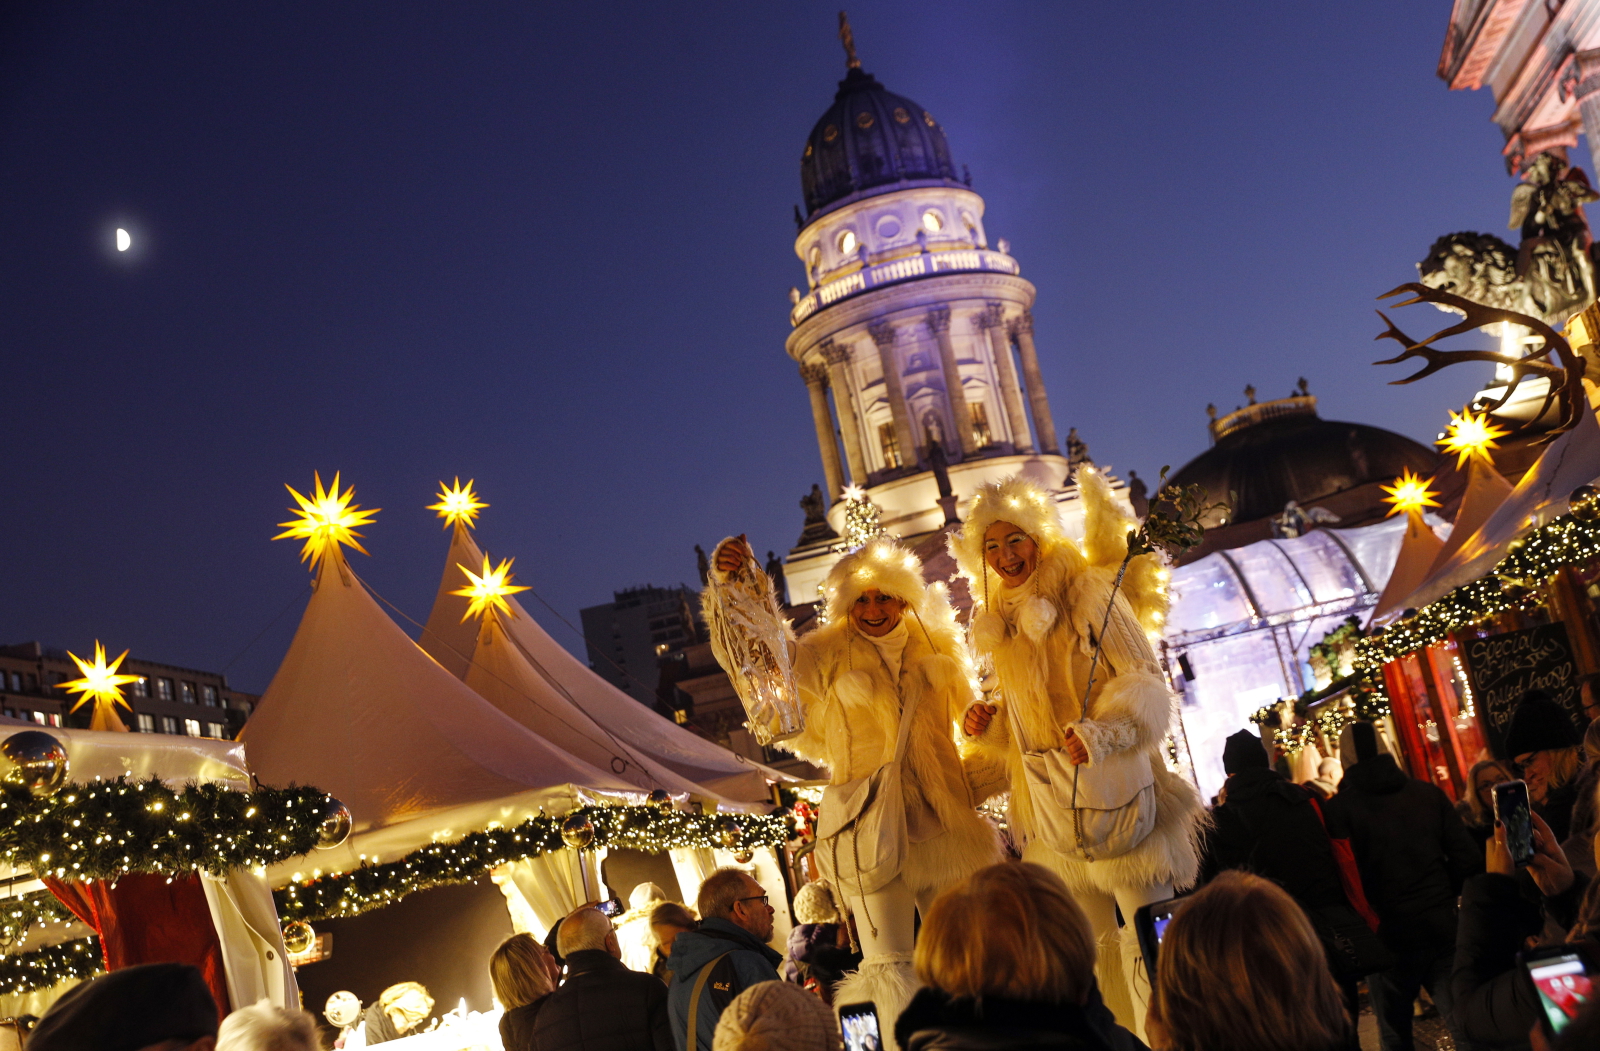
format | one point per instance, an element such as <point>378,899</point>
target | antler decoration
<point>1565,373</point>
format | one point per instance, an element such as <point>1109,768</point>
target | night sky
<point>549,247</point>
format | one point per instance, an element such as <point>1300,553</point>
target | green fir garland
<point>106,829</point>
<point>42,968</point>
<point>646,828</point>
<point>19,916</point>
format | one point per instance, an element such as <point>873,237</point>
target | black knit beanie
<point>1243,751</point>
<point>1539,725</point>
<point>1365,738</point>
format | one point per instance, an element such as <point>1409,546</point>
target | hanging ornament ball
<point>637,820</point>
<point>1585,503</point>
<point>36,761</point>
<point>728,832</point>
<point>660,798</point>
<point>336,822</point>
<point>577,831</point>
<point>298,937</point>
<point>743,857</point>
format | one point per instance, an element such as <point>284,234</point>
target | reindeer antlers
<point>1565,378</point>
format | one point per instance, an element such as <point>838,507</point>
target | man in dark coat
<point>724,957</point>
<point>1268,825</point>
<point>602,1006</point>
<point>1414,854</point>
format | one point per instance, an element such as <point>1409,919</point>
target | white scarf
<point>1008,603</point>
<point>891,647</point>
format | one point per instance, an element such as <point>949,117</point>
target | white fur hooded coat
<point>852,711</point>
<point>1041,643</point>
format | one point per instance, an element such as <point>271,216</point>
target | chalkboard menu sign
<point>1504,667</point>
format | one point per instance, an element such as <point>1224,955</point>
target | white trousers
<point>886,920</point>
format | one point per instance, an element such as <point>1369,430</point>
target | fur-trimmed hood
<point>883,563</point>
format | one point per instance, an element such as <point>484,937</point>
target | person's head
<point>1012,527</point>
<point>1010,930</point>
<point>264,1026</point>
<point>1363,740</point>
<point>814,903</point>
<point>667,921</point>
<point>1543,743</point>
<point>1242,969</point>
<point>1589,697</point>
<point>776,1016</point>
<point>519,970</point>
<point>874,587</point>
<point>150,1007</point>
<point>1011,553</point>
<point>876,614</point>
<point>588,929</point>
<point>1244,751</point>
<point>1485,774</point>
<point>407,1004</point>
<point>733,895</point>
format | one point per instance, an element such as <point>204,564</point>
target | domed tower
<point>920,331</point>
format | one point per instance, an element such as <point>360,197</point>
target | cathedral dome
<point>1270,453</point>
<point>871,138</point>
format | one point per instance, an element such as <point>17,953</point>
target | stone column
<point>884,335</point>
<point>1587,92</point>
<point>1022,329</point>
<point>991,321</point>
<point>939,325</point>
<point>816,377</point>
<point>844,402</point>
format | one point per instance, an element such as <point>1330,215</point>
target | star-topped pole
<point>325,520</point>
<point>458,504</point>
<point>1410,494</point>
<point>488,592</point>
<point>1471,438</point>
<point>101,684</point>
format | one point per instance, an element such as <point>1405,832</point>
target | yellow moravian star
<point>1472,436</point>
<point>325,520</point>
<point>457,504</point>
<point>101,684</point>
<point>488,591</point>
<point>1409,494</point>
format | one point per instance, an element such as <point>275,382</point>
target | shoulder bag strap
<point>694,1001</point>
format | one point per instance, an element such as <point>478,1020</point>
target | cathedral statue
<point>780,585</point>
<point>940,464</point>
<point>1077,454</point>
<point>816,529</point>
<point>1138,494</point>
<point>1551,274</point>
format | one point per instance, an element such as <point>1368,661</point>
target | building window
<point>889,442</point>
<point>141,686</point>
<point>55,718</point>
<point>38,717</point>
<point>981,437</point>
<point>164,689</point>
<point>215,730</point>
<point>209,695</point>
<point>188,693</point>
<point>147,723</point>
<point>32,683</point>
<point>191,727</point>
<point>169,725</point>
<point>16,681</point>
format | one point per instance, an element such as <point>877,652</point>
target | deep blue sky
<point>549,247</point>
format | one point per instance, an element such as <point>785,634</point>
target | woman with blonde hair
<point>520,971</point>
<point>400,1008</point>
<point>1241,969</point>
<point>1006,959</point>
<point>1477,807</point>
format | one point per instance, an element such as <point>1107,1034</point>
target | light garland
<point>646,828</point>
<point>19,916</point>
<point>106,829</point>
<point>861,517</point>
<point>43,968</point>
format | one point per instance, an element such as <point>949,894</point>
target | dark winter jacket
<point>935,1021</point>
<point>1481,834</point>
<point>516,1025</point>
<point>1579,844</point>
<point>1494,1004</point>
<point>804,938</point>
<point>1557,809</point>
<point>603,1006</point>
<point>1412,849</point>
<point>744,962</point>
<point>1268,826</point>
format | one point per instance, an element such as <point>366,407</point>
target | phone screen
<point>1564,985</point>
<point>1150,922</point>
<point>859,1023</point>
<point>1511,809</point>
<point>611,907</point>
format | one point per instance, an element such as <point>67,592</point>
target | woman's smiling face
<point>876,614</point>
<point>1011,553</point>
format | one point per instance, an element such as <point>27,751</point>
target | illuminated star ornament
<point>1471,437</point>
<point>458,504</point>
<point>101,684</point>
<point>489,591</point>
<point>1409,494</point>
<point>854,493</point>
<point>325,521</point>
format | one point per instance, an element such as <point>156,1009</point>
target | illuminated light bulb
<point>457,503</point>
<point>325,520</point>
<point>124,240</point>
<point>101,682</point>
<point>1470,436</point>
<point>488,591</point>
<point>1409,494</point>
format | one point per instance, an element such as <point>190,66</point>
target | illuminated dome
<point>1267,454</point>
<point>871,140</point>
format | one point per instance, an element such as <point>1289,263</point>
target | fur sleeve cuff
<point>1106,737</point>
<point>1139,697</point>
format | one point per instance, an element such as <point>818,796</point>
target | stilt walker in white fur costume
<point>1091,797</point>
<point>881,686</point>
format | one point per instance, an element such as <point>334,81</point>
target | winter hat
<point>130,1008</point>
<point>1243,751</point>
<point>1363,740</point>
<point>814,903</point>
<point>776,1016</point>
<point>1539,724</point>
<point>645,895</point>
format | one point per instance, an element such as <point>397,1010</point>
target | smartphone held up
<point>1513,810</point>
